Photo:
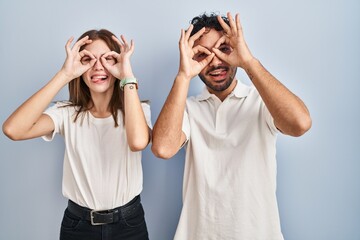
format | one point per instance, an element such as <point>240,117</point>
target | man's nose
<point>215,61</point>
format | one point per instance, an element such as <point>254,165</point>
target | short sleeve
<point>186,127</point>
<point>269,119</point>
<point>147,114</point>
<point>55,112</point>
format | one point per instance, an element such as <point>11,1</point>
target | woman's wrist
<point>64,76</point>
<point>128,81</point>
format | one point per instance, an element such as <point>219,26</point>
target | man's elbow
<point>302,126</point>
<point>161,151</point>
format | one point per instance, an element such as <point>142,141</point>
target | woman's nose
<point>98,65</point>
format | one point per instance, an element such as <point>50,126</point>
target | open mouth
<point>218,72</point>
<point>99,78</point>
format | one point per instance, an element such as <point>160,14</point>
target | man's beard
<point>223,86</point>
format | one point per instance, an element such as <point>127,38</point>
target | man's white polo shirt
<point>229,188</point>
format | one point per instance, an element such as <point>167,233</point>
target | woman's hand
<point>121,67</point>
<point>74,66</point>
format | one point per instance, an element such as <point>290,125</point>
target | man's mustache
<point>216,68</point>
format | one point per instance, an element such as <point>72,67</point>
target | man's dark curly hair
<point>207,21</point>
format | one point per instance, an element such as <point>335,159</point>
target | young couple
<point>229,131</point>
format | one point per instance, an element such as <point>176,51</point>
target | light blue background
<point>312,46</point>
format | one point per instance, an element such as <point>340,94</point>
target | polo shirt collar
<point>240,91</point>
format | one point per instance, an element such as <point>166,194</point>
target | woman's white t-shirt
<point>100,171</point>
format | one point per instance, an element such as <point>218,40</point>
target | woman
<point>105,126</point>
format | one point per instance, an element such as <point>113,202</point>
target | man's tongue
<point>218,73</point>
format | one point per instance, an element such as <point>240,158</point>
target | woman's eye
<point>110,60</point>
<point>85,60</point>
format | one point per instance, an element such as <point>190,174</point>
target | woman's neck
<point>100,107</point>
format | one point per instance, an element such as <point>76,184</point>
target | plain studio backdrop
<point>312,46</point>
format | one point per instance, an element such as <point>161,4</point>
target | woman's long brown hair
<point>79,92</point>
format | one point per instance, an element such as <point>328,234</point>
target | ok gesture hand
<point>122,67</point>
<point>188,66</point>
<point>73,66</point>
<point>240,56</point>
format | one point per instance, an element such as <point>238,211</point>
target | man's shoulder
<point>194,101</point>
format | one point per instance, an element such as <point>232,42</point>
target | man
<point>229,130</point>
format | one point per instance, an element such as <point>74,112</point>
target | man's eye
<point>199,57</point>
<point>225,49</point>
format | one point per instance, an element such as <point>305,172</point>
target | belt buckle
<point>92,217</point>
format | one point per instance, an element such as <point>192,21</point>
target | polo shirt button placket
<point>220,123</point>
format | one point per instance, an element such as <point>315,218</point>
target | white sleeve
<point>55,112</point>
<point>186,127</point>
<point>269,119</point>
<point>147,113</point>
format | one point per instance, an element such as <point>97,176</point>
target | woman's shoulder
<point>65,106</point>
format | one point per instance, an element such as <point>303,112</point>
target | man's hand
<point>240,55</point>
<point>189,67</point>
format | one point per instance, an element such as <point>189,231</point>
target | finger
<point>68,43</point>
<point>128,48</point>
<point>111,58</point>
<point>196,36</point>
<point>92,63</point>
<point>188,31</point>
<point>182,37</point>
<point>104,62</point>
<point>89,64</point>
<point>124,43</point>
<point>238,24</point>
<point>82,41</point>
<point>119,43</point>
<point>85,57</point>
<point>116,40</point>
<point>207,60</point>
<point>200,53</point>
<point>111,54</point>
<point>220,41</point>
<point>222,56</point>
<point>202,49</point>
<point>231,22</point>
<point>223,24</point>
<point>132,46</point>
<point>124,40</point>
<point>85,52</point>
<point>182,40</point>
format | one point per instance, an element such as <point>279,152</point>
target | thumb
<point>104,62</point>
<point>220,54</point>
<point>207,60</point>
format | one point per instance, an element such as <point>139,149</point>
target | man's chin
<point>218,87</point>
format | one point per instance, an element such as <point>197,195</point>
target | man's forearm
<point>289,112</point>
<point>167,131</point>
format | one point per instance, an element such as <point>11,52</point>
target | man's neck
<point>222,95</point>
